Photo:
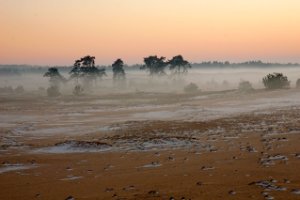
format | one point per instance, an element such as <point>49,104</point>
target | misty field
<point>202,135</point>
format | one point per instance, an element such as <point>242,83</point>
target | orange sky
<point>56,32</point>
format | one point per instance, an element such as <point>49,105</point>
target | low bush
<point>191,88</point>
<point>245,86</point>
<point>19,89</point>
<point>276,81</point>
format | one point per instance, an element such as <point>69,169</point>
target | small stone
<point>295,191</point>
<point>170,158</point>
<point>232,192</point>
<point>286,180</point>
<point>199,183</point>
<point>153,192</point>
<point>109,189</point>
<point>265,193</point>
<point>70,198</point>
<point>268,197</point>
<point>37,195</point>
<point>273,181</point>
<point>114,195</point>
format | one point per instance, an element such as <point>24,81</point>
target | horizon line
<point>192,63</point>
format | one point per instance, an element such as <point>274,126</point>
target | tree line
<point>85,73</point>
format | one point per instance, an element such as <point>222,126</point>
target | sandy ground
<point>219,145</point>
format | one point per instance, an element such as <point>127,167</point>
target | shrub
<point>19,89</point>
<point>276,81</point>
<point>53,91</point>
<point>298,83</point>
<point>78,90</point>
<point>191,88</point>
<point>245,86</point>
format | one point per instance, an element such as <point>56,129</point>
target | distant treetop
<point>155,65</point>
<point>178,65</point>
<point>118,70</point>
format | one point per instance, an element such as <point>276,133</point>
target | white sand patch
<point>164,143</point>
<point>66,130</point>
<point>138,144</point>
<point>109,128</point>
<point>74,147</point>
<point>152,165</point>
<point>15,167</point>
<point>71,178</point>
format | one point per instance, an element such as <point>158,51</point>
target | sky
<point>57,32</point>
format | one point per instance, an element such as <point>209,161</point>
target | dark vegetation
<point>85,74</point>
<point>178,65</point>
<point>19,89</point>
<point>276,81</point>
<point>86,71</point>
<point>118,70</point>
<point>245,86</point>
<point>191,88</point>
<point>21,69</point>
<point>247,64</point>
<point>155,65</point>
<point>55,78</point>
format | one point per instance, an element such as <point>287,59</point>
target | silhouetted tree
<point>178,65</point>
<point>55,77</point>
<point>75,71</point>
<point>155,65</point>
<point>85,69</point>
<point>276,81</point>
<point>118,70</point>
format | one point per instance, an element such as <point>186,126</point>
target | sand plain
<point>211,145</point>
